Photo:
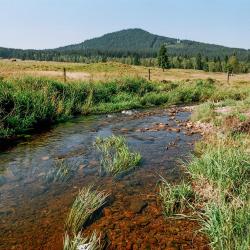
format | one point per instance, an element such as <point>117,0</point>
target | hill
<point>126,43</point>
<point>143,42</point>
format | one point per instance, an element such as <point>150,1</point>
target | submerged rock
<point>137,206</point>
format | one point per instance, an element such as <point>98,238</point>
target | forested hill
<point>145,44</point>
<point>127,43</point>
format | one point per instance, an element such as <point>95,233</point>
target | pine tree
<point>163,60</point>
<point>199,63</point>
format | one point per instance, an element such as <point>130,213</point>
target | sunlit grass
<point>175,198</point>
<point>227,168</point>
<point>204,112</point>
<point>79,242</point>
<point>227,226</point>
<point>116,157</point>
<point>86,203</point>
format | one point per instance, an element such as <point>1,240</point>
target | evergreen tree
<point>163,60</point>
<point>199,63</point>
<point>136,60</point>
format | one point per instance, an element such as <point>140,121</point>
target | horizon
<point>46,25</point>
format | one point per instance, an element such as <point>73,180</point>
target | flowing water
<point>34,204</point>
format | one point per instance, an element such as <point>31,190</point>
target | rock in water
<point>137,206</point>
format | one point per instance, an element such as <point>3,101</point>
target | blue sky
<point>52,23</point>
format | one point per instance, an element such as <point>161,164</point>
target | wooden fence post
<point>64,75</point>
<point>149,74</point>
<point>228,76</point>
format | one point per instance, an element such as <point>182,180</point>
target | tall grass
<point>26,103</point>
<point>116,156</point>
<point>86,203</point>
<point>175,199</point>
<point>226,167</point>
<point>227,226</point>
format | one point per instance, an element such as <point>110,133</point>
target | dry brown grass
<point>106,71</point>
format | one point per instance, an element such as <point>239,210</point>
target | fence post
<point>64,75</point>
<point>149,74</point>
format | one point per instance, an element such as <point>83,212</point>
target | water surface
<point>33,206</point>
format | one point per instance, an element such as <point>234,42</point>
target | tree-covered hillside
<point>133,46</point>
<point>145,44</point>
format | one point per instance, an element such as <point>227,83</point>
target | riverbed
<point>34,205</point>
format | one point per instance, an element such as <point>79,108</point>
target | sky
<point>40,24</point>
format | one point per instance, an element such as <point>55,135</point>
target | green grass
<point>86,203</point>
<point>227,226</point>
<point>61,172</point>
<point>80,242</point>
<point>175,199</point>
<point>204,112</point>
<point>225,165</point>
<point>27,103</point>
<point>116,157</point>
<point>227,168</point>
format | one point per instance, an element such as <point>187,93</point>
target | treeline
<point>149,59</point>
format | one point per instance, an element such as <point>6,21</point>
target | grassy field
<point>106,71</point>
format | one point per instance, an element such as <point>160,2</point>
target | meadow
<point>29,101</point>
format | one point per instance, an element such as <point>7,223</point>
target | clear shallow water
<point>33,209</point>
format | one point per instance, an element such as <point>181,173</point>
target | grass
<point>29,103</point>
<point>227,168</point>
<point>175,199</point>
<point>221,172</point>
<point>227,226</point>
<point>86,203</point>
<point>82,243</point>
<point>116,156</point>
<point>108,71</point>
<point>61,171</point>
<point>204,112</point>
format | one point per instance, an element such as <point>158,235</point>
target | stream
<point>34,204</point>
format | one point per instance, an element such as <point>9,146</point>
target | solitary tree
<point>163,60</point>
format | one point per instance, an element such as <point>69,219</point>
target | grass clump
<point>116,156</point>
<point>85,204</point>
<point>175,199</point>
<point>204,112</point>
<point>224,167</point>
<point>61,172</point>
<point>78,242</point>
<point>227,226</point>
<point>227,168</point>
